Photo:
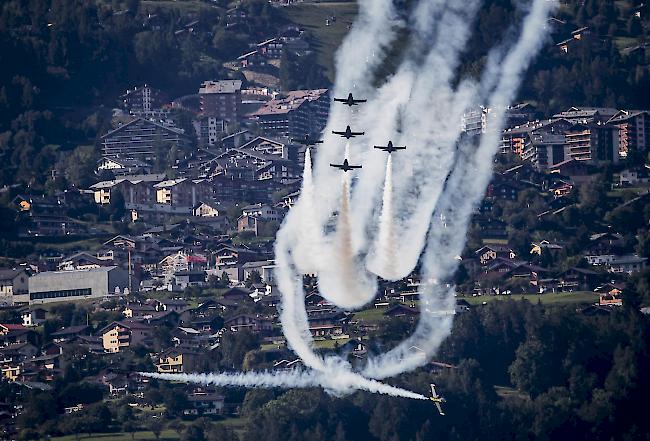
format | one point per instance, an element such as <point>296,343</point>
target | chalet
<point>185,337</point>
<point>206,209</point>
<point>578,171</point>
<point>33,317</point>
<point>186,279</point>
<point>237,294</point>
<point>503,190</point>
<point>254,323</point>
<point>247,222</point>
<point>176,360</point>
<point>578,279</point>
<point>11,334</point>
<point>69,333</point>
<point>135,310</point>
<point>634,176</point>
<point>489,253</point>
<point>13,285</point>
<point>176,305</point>
<point>203,402</point>
<point>121,335</point>
<point>124,166</point>
<point>401,311</point>
<point>603,247</point>
<point>543,247</point>
<point>627,264</point>
<point>229,256</point>
<point>79,261</point>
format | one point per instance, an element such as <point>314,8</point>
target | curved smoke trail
<point>441,179</point>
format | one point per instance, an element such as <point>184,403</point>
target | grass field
<point>370,315</point>
<point>578,297</point>
<point>166,435</point>
<point>312,17</point>
<point>183,6</point>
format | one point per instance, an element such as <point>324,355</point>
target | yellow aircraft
<point>437,399</point>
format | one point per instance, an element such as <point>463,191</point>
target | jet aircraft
<point>390,148</point>
<point>346,167</point>
<point>437,399</point>
<point>348,133</point>
<point>306,140</point>
<point>349,101</point>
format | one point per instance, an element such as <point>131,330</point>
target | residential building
<point>186,279</point>
<point>13,284</point>
<point>209,129</point>
<point>262,211</point>
<point>136,189</point>
<point>633,131</point>
<point>297,113</point>
<point>250,165</point>
<point>634,176</point>
<point>627,264</point>
<point>120,335</point>
<point>33,317</point>
<point>204,402</point>
<point>144,101</point>
<point>206,209</point>
<point>181,192</point>
<point>490,253</point>
<point>591,142</point>
<point>221,99</point>
<point>254,323</point>
<point>124,166</point>
<point>175,360</point>
<point>141,138</point>
<point>544,149</point>
<point>61,286</point>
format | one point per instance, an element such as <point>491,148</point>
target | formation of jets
<point>349,133</point>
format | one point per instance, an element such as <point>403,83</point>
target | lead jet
<point>307,140</point>
<point>390,148</point>
<point>349,101</point>
<point>348,133</point>
<point>346,167</point>
<point>437,400</point>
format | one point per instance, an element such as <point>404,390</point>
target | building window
<point>59,294</point>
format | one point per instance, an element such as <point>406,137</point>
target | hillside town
<point>159,257</point>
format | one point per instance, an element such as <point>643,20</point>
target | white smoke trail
<point>343,281</point>
<point>461,194</point>
<point>382,261</point>
<point>338,383</point>
<point>311,235</point>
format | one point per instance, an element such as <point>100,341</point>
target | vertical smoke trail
<point>310,237</point>
<point>383,261</point>
<point>343,281</point>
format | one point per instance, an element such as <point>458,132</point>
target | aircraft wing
<point>357,133</point>
<point>439,409</point>
<point>433,391</point>
<point>359,101</point>
<point>354,166</point>
<point>338,133</point>
<point>340,100</point>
